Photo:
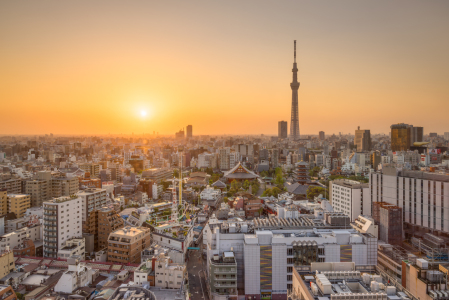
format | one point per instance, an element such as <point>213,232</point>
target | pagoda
<point>301,173</point>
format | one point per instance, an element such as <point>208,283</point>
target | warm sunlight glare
<point>143,113</point>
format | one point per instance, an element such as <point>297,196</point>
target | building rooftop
<point>323,283</point>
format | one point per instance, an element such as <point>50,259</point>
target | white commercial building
<point>266,257</point>
<point>62,221</point>
<point>210,196</point>
<point>350,197</point>
<point>423,196</point>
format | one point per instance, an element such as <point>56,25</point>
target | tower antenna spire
<point>295,50</point>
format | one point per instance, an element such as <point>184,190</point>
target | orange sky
<point>91,67</point>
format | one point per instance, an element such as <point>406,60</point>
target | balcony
<point>51,246</point>
<point>50,235</point>
<point>50,230</point>
<point>217,271</point>
<point>224,279</point>
<point>50,240</point>
<point>226,285</point>
<point>50,214</point>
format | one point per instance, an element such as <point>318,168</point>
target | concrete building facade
<point>62,221</point>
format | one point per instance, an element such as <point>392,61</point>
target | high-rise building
<point>362,140</point>
<point>274,158</point>
<point>11,183</point>
<point>446,136</point>
<point>39,190</point>
<point>18,204</point>
<point>64,186</point>
<point>322,136</point>
<point>423,197</point>
<point>294,124</point>
<point>93,169</point>
<point>389,218</point>
<point>180,134</point>
<point>91,199</point>
<point>375,160</point>
<point>189,131</point>
<point>101,223</point>
<point>62,221</point>
<point>282,130</point>
<point>350,197</point>
<point>403,136</point>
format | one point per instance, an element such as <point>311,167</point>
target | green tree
<point>176,173</point>
<point>267,193</point>
<point>255,187</point>
<point>260,211</point>
<point>263,174</point>
<point>314,191</point>
<point>225,199</point>
<point>276,191</point>
<point>235,185</point>
<point>314,172</point>
<point>279,180</point>
<point>246,185</point>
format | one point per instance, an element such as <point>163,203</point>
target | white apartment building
<point>234,158</point>
<point>169,275</point>
<point>77,275</point>
<point>15,238</point>
<point>350,197</point>
<point>157,190</point>
<point>423,196</point>
<point>224,158</point>
<point>205,160</point>
<point>62,221</point>
<point>73,247</point>
<point>91,199</point>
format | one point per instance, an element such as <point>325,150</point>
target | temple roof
<point>240,172</point>
<point>219,184</point>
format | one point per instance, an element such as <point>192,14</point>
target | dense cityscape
<point>193,216</point>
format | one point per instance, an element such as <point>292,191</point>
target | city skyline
<point>72,70</point>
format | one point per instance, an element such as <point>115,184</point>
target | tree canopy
<point>314,191</point>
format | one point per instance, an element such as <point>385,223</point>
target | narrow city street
<point>197,282</point>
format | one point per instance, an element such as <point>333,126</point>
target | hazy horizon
<point>90,68</point>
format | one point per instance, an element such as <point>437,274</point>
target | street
<point>197,282</point>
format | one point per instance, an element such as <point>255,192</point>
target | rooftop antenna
<point>295,51</point>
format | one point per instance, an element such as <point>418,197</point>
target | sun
<point>143,113</point>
